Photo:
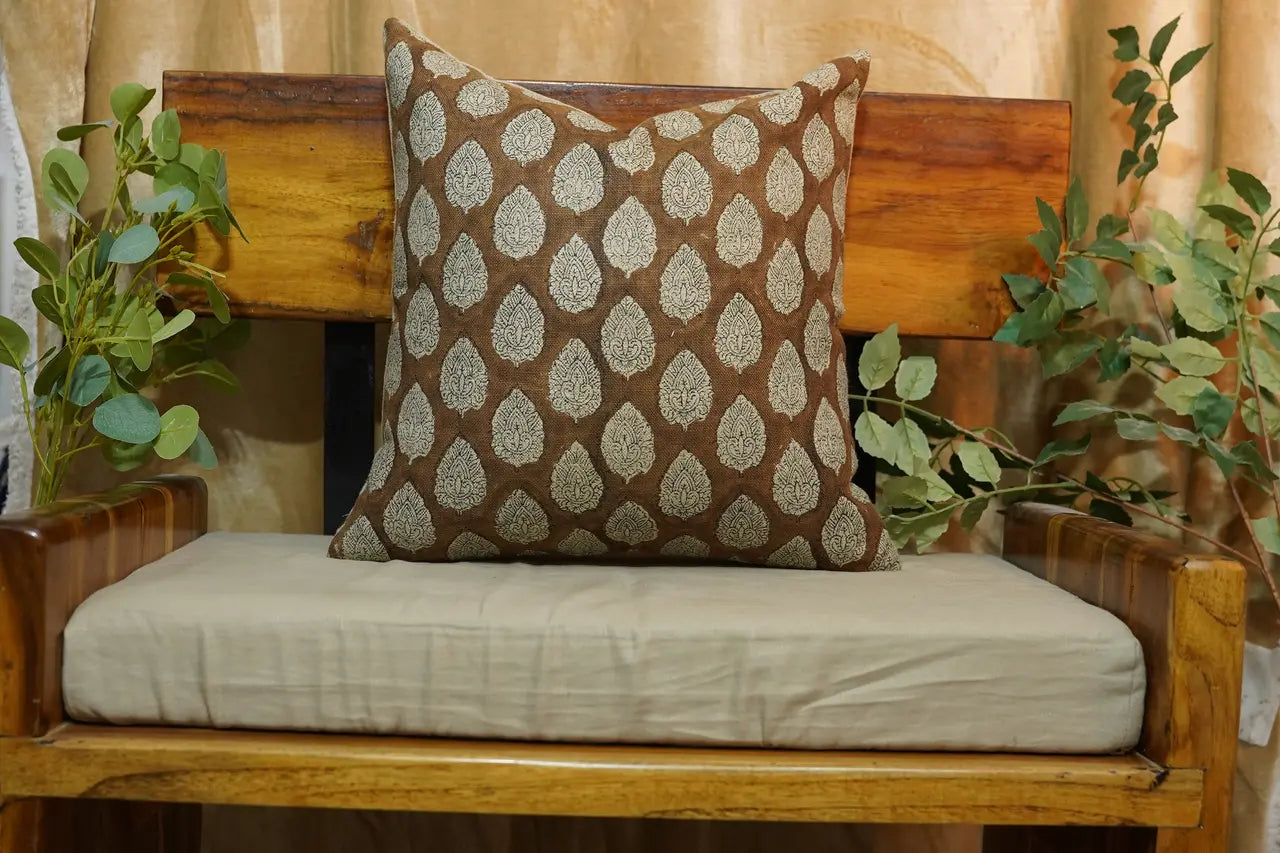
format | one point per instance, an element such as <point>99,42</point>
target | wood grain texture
<point>98,826</point>
<point>342,771</point>
<point>941,194</point>
<point>53,558</point>
<point>1188,614</point>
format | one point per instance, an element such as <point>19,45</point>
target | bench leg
<point>98,826</point>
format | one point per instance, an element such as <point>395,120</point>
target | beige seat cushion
<point>265,631</point>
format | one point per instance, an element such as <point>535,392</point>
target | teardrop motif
<point>839,196</point>
<point>677,125</point>
<point>380,469</point>
<point>721,107</point>
<point>626,444</point>
<point>517,430</point>
<point>575,278</point>
<point>399,267</point>
<point>576,486</point>
<point>736,143</point>
<point>483,97</point>
<point>796,554</point>
<point>818,148</point>
<point>740,436</point>
<point>784,282</point>
<point>578,182</point>
<point>392,369</point>
<point>407,522</point>
<point>427,126</point>
<point>415,425</point>
<point>795,481</point>
<point>626,338</point>
<point>635,153</point>
<point>817,241</point>
<point>784,107</point>
<point>469,546</point>
<point>423,225</point>
<point>844,535</point>
<point>842,384</point>
<point>460,479</point>
<point>886,559</point>
<point>787,393</point>
<point>686,548</point>
<point>739,232</point>
<point>823,78</point>
<point>686,489</point>
<point>468,177</point>
<point>442,64</point>
<point>837,288</point>
<point>573,383</point>
<point>630,524</point>
<point>528,137</point>
<point>399,167</point>
<point>519,225</point>
<point>465,275</point>
<point>360,542</point>
<point>464,380</point>
<point>686,188</point>
<point>518,327</point>
<point>817,338</point>
<point>685,285</point>
<point>421,324</point>
<point>828,437</point>
<point>784,184</point>
<point>743,524</point>
<point>399,73</point>
<point>739,334</point>
<point>582,543</point>
<point>684,391</point>
<point>586,121</point>
<point>846,111</point>
<point>520,519</point>
<point>630,238</point>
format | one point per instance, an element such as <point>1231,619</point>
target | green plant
<point>1212,361</point>
<point>113,341</point>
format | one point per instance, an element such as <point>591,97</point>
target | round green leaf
<point>38,256</point>
<point>14,343</point>
<point>178,428</point>
<point>72,164</point>
<point>128,99</point>
<point>138,344</point>
<point>130,418</point>
<point>134,245</point>
<point>979,462</point>
<point>879,359</point>
<point>89,380</point>
<point>201,451</point>
<point>176,324</point>
<point>916,376</point>
<point>165,130</point>
<point>874,435</point>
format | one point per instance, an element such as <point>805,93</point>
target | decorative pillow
<point>615,344</point>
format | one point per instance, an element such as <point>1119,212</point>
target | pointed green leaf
<point>1082,410</point>
<point>1110,226</point>
<point>1201,305</point>
<point>1113,360</point>
<point>1077,211</point>
<point>1165,117</point>
<point>1194,357</point>
<point>128,99</point>
<point>1141,109</point>
<point>1128,160</point>
<point>910,447</point>
<point>1246,454</point>
<point>38,256</point>
<point>178,198</point>
<point>1063,352</point>
<point>876,365</point>
<point>1267,529</point>
<point>1110,249</point>
<point>201,451</point>
<point>130,418</point>
<point>1250,189</point>
<point>1023,288</point>
<point>1042,317</point>
<point>1183,436</point>
<point>1078,286</point>
<point>176,324</point>
<point>76,131</point>
<point>1063,447</point>
<point>1131,86</point>
<point>173,175</point>
<point>1109,511</point>
<point>139,344</point>
<point>1169,231</point>
<point>1186,63</point>
<point>904,492</point>
<point>1145,349</point>
<point>1137,429</point>
<point>46,302</point>
<point>874,435</point>
<point>88,380</point>
<point>916,376</point>
<point>1048,245</point>
<point>1160,43</point>
<point>979,462</point>
<point>1270,323</point>
<point>1010,331</point>
<point>1126,43</point>
<point>1232,218</point>
<point>1180,394</point>
<point>14,344</point>
<point>1049,219</point>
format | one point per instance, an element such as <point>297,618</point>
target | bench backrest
<point>941,194</point>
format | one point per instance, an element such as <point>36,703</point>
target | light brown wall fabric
<point>270,437</point>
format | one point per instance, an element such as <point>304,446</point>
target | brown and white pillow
<point>614,343</point>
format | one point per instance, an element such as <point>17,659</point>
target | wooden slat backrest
<point>941,194</point>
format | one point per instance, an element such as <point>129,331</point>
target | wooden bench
<point>940,197</point>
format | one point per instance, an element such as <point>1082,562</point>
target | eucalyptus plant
<point>1209,355</point>
<point>107,303</point>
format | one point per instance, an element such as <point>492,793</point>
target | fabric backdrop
<point>65,55</point>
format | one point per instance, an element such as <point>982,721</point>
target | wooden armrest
<point>53,558</point>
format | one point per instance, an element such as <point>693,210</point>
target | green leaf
<point>1137,429</point>
<point>1082,410</point>
<point>1113,360</point>
<point>201,451</point>
<point>1109,248</point>
<point>102,253</point>
<point>1186,63</point>
<point>135,245</point>
<point>178,428</point>
<point>1180,394</point>
<point>130,418</point>
<point>1131,86</point>
<point>904,492</point>
<point>1141,109</point>
<point>1063,352</point>
<point>1225,461</point>
<point>88,380</point>
<point>46,302</point>
<point>1184,436</point>
<point>1128,160</point>
<point>230,337</point>
<point>38,256</point>
<point>14,344</point>
<point>1270,286</point>
<point>173,175</point>
<point>1194,357</point>
<point>911,447</point>
<point>76,131</point>
<point>1270,323</point>
<point>191,156</point>
<point>1232,218</point>
<point>128,99</point>
<point>1063,447</point>
<point>53,373</point>
<point>1274,248</point>
<point>211,206</point>
<point>138,344</point>
<point>1145,349</point>
<point>1126,43</point>
<point>1201,305</point>
<point>1109,511</point>
<point>1266,369</point>
<point>133,134</point>
<point>1247,455</point>
<point>1150,159</point>
<point>979,462</point>
<point>876,365</point>
<point>1111,226</point>
<point>1049,219</point>
<point>1023,288</point>
<point>1047,244</point>
<point>1010,331</point>
<point>1149,264</point>
<point>1267,529</point>
<point>1165,117</point>
<point>125,457</point>
<point>176,324</point>
<point>1249,414</point>
<point>1042,317</point>
<point>1078,287</point>
<point>1077,210</point>
<point>63,179</point>
<point>916,376</point>
<point>1169,231</point>
<point>1160,43</point>
<point>874,435</point>
<point>1250,189</point>
<point>177,198</point>
<point>165,130</point>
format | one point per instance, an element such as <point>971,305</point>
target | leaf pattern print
<point>626,338</point>
<point>415,425</point>
<point>795,481</point>
<point>686,188</point>
<point>578,182</point>
<point>844,535</point>
<point>424,225</point>
<point>464,380</point>
<point>784,184</point>
<point>828,437</point>
<point>736,143</point>
<point>407,522</point>
<point>468,177</point>
<point>573,383</point>
<point>575,278</point>
<point>460,478</point>
<point>421,324</point>
<point>518,327</point>
<point>517,431</point>
<point>739,334</point>
<point>684,391</point>
<point>519,225</point>
<point>739,232</point>
<point>740,436</point>
<point>576,486</point>
<point>521,519</point>
<point>630,238</point>
<point>743,525</point>
<point>686,488</point>
<point>528,137</point>
<point>360,542</point>
<point>685,285</point>
<point>626,444</point>
<point>787,393</point>
<point>427,127</point>
<point>784,282</point>
<point>631,525</point>
<point>465,275</point>
<point>469,546</point>
<point>677,125</point>
<point>483,97</point>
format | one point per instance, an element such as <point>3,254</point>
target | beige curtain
<point>65,55</point>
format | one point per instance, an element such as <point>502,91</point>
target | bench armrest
<point>54,557</point>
